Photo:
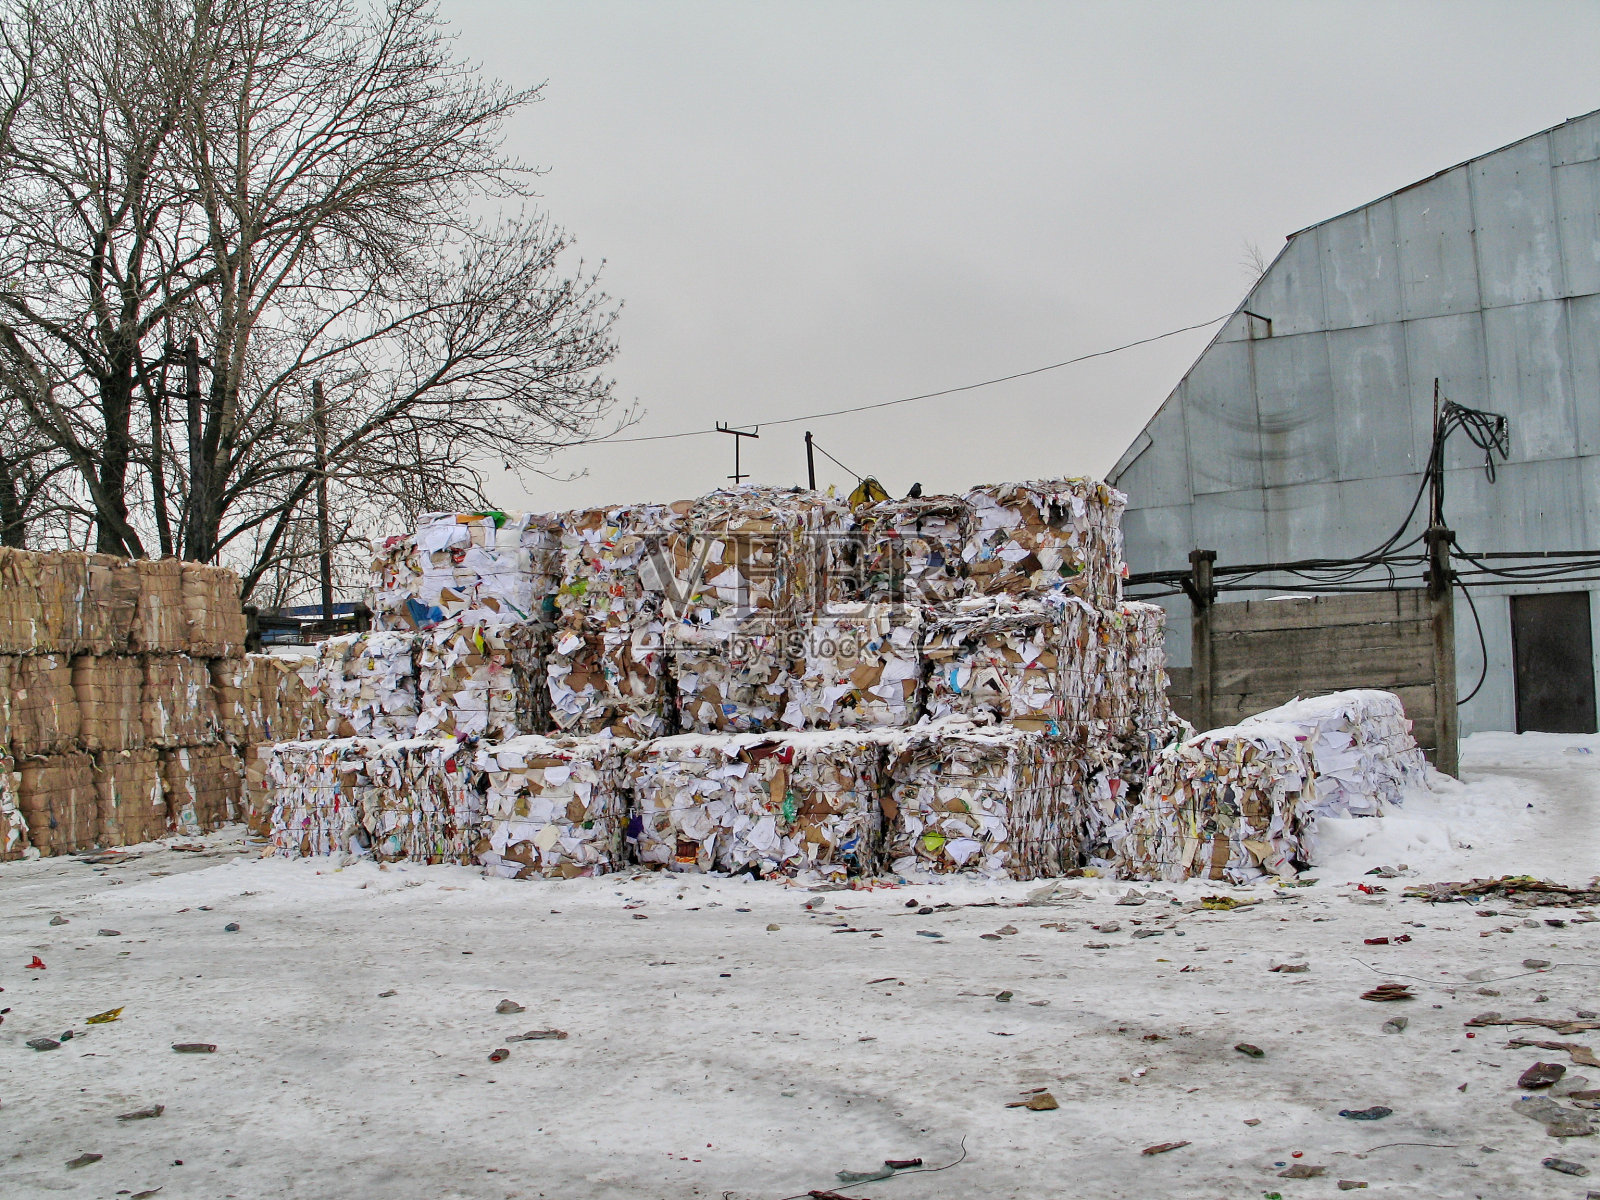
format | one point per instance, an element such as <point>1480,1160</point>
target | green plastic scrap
<point>790,807</point>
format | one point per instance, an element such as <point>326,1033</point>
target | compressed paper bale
<point>731,675</point>
<point>615,560</point>
<point>314,788</point>
<point>256,795</point>
<point>418,800</point>
<point>56,796</point>
<point>503,563</point>
<point>109,689</point>
<point>773,803</point>
<point>553,807</point>
<point>1057,534</point>
<point>367,683</point>
<point>757,551</point>
<point>996,801</point>
<point>862,668</point>
<point>132,798</point>
<point>229,691</point>
<point>1360,748</point>
<point>912,549</point>
<point>44,715</point>
<point>203,786</point>
<point>111,606</point>
<point>160,624</point>
<point>481,675</point>
<point>1235,804</point>
<point>609,672</point>
<point>64,592</point>
<point>213,615</point>
<point>14,841</point>
<point>21,602</point>
<point>177,703</point>
<point>280,705</point>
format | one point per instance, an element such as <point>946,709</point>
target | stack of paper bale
<point>480,675</point>
<point>367,683</point>
<point>997,800</point>
<point>1360,747</point>
<point>1235,804</point>
<point>770,804</point>
<point>862,668</point>
<point>180,709</point>
<point>277,705</point>
<point>454,563</point>
<point>553,807</point>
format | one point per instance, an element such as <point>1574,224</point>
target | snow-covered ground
<point>710,1054</point>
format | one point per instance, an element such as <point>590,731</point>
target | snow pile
<point>1360,745</point>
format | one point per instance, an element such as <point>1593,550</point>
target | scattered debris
<point>43,1043</point>
<point>1389,991</point>
<point>194,1047</point>
<point>1252,1051</point>
<point>499,1055</point>
<point>1524,889</point>
<point>540,1035</point>
<point>1301,1171</point>
<point>1395,1024</point>
<point>58,919</point>
<point>105,1018</point>
<point>143,1114</point>
<point>1540,1075</point>
<point>83,1160</point>
<point>1564,1166</point>
<point>509,1006</point>
<point>1376,1113</point>
<point>1163,1147</point>
<point>109,933</point>
<point>1038,1102</point>
<point>1350,1185</point>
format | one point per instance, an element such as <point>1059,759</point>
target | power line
<point>966,387</point>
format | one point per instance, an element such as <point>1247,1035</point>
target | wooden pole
<point>1202,595</point>
<point>1441,597</point>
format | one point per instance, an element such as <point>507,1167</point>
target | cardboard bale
<point>204,787</point>
<point>109,689</point>
<point>912,549</point>
<point>481,675</point>
<point>368,684</point>
<point>230,690</point>
<point>131,796</point>
<point>13,825</point>
<point>111,605</point>
<point>22,624</point>
<point>177,704</point>
<point>257,796</point>
<point>507,564</point>
<point>1360,748</point>
<point>44,709</point>
<point>862,668</point>
<point>160,623</point>
<point>731,675</point>
<point>8,696</point>
<point>280,705</point>
<point>213,614</point>
<point>1234,804</point>
<point>996,801</point>
<point>609,672</point>
<point>64,593</point>
<point>56,795</point>
<point>554,807</point>
<point>777,804</point>
<point>1057,534</point>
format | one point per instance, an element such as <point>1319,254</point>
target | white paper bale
<point>368,684</point>
<point>481,675</point>
<point>1055,534</point>
<point>554,807</point>
<point>863,668</point>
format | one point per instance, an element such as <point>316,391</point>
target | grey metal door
<point>1553,648</point>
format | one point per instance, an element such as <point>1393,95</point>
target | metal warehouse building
<point>1304,429</point>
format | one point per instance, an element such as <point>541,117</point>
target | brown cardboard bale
<point>257,796</point>
<point>57,798</point>
<point>159,625</point>
<point>229,689</point>
<point>21,608</point>
<point>133,803</point>
<point>13,825</point>
<point>178,708</point>
<point>8,680</point>
<point>109,689</point>
<point>203,787</point>
<point>212,613</point>
<point>111,604</point>
<point>64,595</point>
<point>44,709</point>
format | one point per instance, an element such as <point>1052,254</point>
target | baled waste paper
<point>131,796</point>
<point>314,787</point>
<point>480,675</point>
<point>56,795</point>
<point>1061,534</point>
<point>768,803</point>
<point>553,807</point>
<point>1360,745</point>
<point>454,563</point>
<point>215,622</point>
<point>417,799</point>
<point>179,706</point>
<point>13,825</point>
<point>862,668</point>
<point>608,671</point>
<point>204,787</point>
<point>731,674</point>
<point>161,622</point>
<point>912,549</point>
<point>44,716</point>
<point>368,683</point>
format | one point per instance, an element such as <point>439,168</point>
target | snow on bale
<point>368,683</point>
<point>1063,534</point>
<point>778,804</point>
<point>480,675</point>
<point>505,563</point>
<point>863,668</point>
<point>990,800</point>
<point>554,808</point>
<point>1234,804</point>
<point>1360,747</point>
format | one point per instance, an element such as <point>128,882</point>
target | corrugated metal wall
<point>1301,431</point>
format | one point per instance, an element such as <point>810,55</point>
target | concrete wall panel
<point>1220,416</point>
<point>1528,378</point>
<point>1578,219</point>
<point>1374,430</point>
<point>1299,442</point>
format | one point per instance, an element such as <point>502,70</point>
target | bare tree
<point>245,201</point>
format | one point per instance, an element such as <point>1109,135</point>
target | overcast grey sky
<point>806,206</point>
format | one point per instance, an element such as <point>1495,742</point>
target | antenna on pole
<point>737,475</point>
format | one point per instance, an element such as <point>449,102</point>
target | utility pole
<point>811,464</point>
<point>1202,589</point>
<point>737,434</point>
<point>319,434</point>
